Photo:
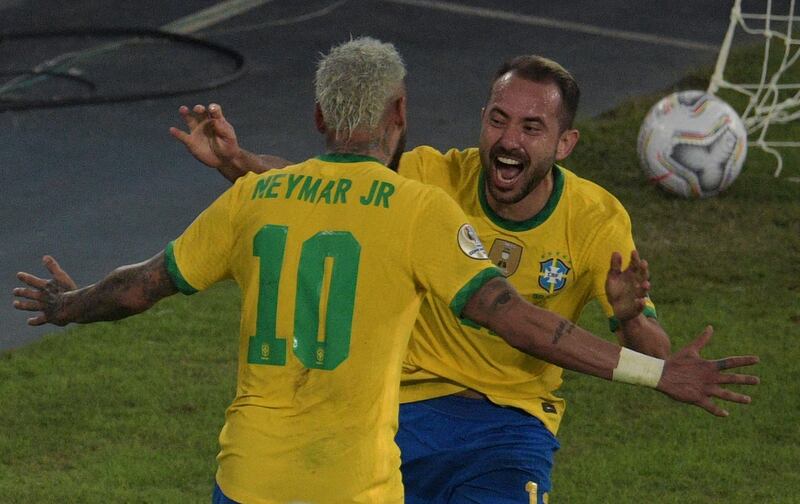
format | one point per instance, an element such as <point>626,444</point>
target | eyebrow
<point>497,110</point>
<point>533,119</point>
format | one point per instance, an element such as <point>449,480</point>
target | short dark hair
<point>540,69</point>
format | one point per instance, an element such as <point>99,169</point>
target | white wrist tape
<point>638,369</point>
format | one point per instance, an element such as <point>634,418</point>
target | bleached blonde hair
<point>355,82</point>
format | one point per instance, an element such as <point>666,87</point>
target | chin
<point>507,196</point>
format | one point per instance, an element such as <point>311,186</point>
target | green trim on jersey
<point>466,292</point>
<point>544,213</point>
<point>341,157</point>
<point>174,273</point>
<point>648,312</point>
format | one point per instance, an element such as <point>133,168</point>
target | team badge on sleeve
<point>470,243</point>
<point>553,274</point>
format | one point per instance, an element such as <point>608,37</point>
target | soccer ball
<point>692,144</point>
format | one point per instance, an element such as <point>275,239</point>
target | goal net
<point>768,96</point>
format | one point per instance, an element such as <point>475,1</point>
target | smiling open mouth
<point>506,171</point>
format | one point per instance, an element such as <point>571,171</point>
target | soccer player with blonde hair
<point>334,257</point>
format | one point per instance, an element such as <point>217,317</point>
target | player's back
<point>333,261</point>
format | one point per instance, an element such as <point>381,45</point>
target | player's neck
<point>528,206</point>
<point>361,144</point>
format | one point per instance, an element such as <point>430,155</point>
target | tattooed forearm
<point>565,328</point>
<point>502,298</point>
<point>125,291</point>
<point>489,304</point>
<point>495,294</point>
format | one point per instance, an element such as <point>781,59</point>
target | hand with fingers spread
<point>45,296</point>
<point>689,378</point>
<point>627,290</point>
<point>211,138</point>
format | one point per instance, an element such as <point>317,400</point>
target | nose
<point>510,139</point>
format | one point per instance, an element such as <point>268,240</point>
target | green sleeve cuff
<point>466,292</point>
<point>174,273</point>
<point>648,312</point>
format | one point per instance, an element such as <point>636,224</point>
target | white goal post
<point>771,100</point>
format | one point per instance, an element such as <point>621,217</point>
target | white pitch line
<point>183,26</point>
<point>557,24</point>
<point>212,15</point>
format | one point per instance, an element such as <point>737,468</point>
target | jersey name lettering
<point>318,190</point>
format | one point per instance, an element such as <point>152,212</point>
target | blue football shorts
<point>458,450</point>
<point>220,498</point>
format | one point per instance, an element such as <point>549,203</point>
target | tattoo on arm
<point>126,291</point>
<point>487,303</point>
<point>495,294</point>
<point>503,298</point>
<point>565,328</point>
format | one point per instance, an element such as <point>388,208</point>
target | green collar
<point>544,213</point>
<point>341,157</point>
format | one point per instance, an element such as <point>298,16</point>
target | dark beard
<point>540,173</point>
<point>394,163</point>
<point>507,199</point>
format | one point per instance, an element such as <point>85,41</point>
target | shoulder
<point>413,187</point>
<point>426,162</point>
<point>242,186</point>
<point>594,216</point>
<point>421,199</point>
<point>596,220</point>
<point>589,198</point>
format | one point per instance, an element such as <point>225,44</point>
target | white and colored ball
<point>692,144</point>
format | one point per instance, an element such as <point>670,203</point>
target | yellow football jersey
<point>557,260</point>
<point>333,257</point>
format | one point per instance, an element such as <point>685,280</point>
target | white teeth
<point>508,161</point>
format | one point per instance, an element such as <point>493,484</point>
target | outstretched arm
<point>626,291</point>
<point>645,335</point>
<point>126,291</point>
<point>211,139</point>
<point>683,376</point>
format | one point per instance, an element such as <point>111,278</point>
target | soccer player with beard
<point>478,418</point>
<point>552,234</point>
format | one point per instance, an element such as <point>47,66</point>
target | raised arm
<point>626,291</point>
<point>683,376</point>
<point>126,291</point>
<point>211,139</point>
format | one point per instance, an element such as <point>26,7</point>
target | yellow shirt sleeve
<point>447,255</point>
<point>200,256</point>
<point>411,165</point>
<point>430,166</point>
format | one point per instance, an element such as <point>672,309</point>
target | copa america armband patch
<point>638,369</point>
<point>470,244</point>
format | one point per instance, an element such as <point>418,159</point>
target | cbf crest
<point>553,273</point>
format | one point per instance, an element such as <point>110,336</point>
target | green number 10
<point>339,253</point>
